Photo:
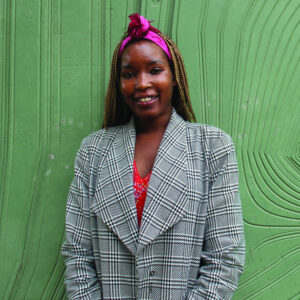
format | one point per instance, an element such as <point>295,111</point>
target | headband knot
<point>140,28</point>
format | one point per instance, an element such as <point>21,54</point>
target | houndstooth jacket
<point>190,244</point>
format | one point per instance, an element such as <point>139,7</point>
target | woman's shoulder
<point>100,139</point>
<point>216,145</point>
<point>208,133</point>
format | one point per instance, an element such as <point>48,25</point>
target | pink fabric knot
<point>138,26</point>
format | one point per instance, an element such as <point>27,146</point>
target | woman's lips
<point>144,101</point>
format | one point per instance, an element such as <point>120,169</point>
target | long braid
<point>184,102</point>
<point>116,111</point>
<point>110,98</point>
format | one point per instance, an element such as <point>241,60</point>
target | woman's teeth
<point>145,99</point>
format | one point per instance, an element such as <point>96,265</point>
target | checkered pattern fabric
<point>190,244</point>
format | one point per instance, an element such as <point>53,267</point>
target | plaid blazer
<point>190,244</point>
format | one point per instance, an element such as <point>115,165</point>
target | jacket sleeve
<point>223,253</point>
<point>80,278</point>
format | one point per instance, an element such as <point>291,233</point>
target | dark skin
<point>146,84</point>
<point>146,146</point>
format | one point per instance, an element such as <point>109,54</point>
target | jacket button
<point>152,273</point>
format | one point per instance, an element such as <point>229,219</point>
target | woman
<point>153,211</point>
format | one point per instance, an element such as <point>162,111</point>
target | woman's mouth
<point>146,100</point>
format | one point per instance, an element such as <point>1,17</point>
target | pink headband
<point>140,28</point>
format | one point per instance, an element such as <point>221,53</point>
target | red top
<point>140,191</point>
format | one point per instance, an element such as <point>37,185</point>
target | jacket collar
<point>166,195</point>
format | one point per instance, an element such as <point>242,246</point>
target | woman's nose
<point>142,81</point>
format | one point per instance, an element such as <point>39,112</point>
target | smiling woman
<point>147,82</point>
<point>154,209</point>
<point>146,85</point>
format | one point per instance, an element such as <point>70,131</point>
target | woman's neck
<point>150,126</point>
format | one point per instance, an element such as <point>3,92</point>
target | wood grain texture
<point>242,60</point>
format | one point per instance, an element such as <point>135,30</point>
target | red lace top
<point>140,191</point>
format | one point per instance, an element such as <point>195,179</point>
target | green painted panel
<point>242,59</point>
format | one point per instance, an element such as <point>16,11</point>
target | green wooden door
<point>242,59</point>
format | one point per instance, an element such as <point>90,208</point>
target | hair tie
<point>140,28</point>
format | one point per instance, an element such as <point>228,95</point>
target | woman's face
<point>146,80</point>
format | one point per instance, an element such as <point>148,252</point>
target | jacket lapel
<point>115,202</point>
<point>166,195</point>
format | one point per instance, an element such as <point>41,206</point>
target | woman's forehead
<point>143,50</point>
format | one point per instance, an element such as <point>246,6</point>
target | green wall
<point>242,59</point>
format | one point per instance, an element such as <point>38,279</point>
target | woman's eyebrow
<point>153,62</point>
<point>150,63</point>
<point>126,66</point>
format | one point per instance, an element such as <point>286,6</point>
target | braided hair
<point>116,111</point>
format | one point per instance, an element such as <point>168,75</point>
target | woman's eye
<point>127,75</point>
<point>156,71</point>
